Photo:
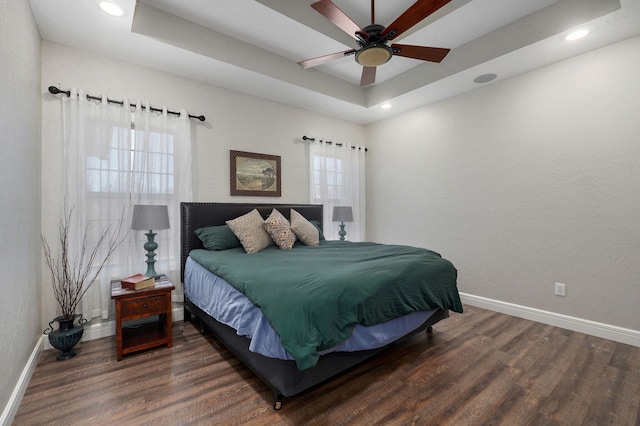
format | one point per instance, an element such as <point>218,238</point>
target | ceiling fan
<point>374,39</point>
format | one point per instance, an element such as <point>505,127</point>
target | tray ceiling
<point>253,46</point>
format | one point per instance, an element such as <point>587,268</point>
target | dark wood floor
<point>479,368</point>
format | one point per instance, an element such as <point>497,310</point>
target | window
<point>336,178</point>
<point>133,167</point>
<point>328,175</point>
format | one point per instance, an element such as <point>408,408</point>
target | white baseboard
<point>177,314</point>
<point>606,331</point>
<point>108,328</point>
<point>13,404</point>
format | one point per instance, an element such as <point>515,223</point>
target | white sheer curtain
<point>338,179</point>
<point>162,175</point>
<point>116,158</point>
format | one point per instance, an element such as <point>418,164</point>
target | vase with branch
<point>72,274</point>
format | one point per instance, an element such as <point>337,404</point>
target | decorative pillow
<point>317,225</point>
<point>304,230</point>
<point>218,237</point>
<point>248,228</point>
<point>279,229</point>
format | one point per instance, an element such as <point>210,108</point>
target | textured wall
<point>20,195</point>
<point>524,183</point>
<point>234,121</point>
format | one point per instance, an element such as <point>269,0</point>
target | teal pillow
<point>218,237</point>
<point>317,225</point>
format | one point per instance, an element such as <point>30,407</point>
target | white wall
<point>524,183</point>
<point>20,194</point>
<point>234,121</point>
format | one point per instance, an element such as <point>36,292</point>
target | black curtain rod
<point>307,138</point>
<point>55,91</point>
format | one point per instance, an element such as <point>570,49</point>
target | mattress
<point>229,306</point>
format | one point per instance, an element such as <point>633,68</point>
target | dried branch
<point>72,279</point>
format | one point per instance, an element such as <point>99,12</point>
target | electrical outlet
<point>560,289</point>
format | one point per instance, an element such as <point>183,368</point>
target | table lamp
<point>342,214</point>
<point>147,217</point>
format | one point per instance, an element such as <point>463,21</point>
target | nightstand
<point>138,304</point>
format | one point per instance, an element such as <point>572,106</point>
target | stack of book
<point>138,282</point>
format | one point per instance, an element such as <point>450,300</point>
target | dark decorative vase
<point>66,336</point>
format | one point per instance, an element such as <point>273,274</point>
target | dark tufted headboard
<point>195,215</point>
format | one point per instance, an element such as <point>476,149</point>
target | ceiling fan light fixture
<point>374,56</point>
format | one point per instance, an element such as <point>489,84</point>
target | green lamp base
<point>342,232</point>
<point>150,246</point>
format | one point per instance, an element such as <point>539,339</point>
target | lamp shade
<point>149,217</point>
<point>342,214</point>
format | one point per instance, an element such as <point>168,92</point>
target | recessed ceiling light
<point>576,35</point>
<point>111,8</point>
<point>385,106</point>
<point>484,78</point>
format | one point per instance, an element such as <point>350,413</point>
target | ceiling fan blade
<point>368,76</point>
<point>416,13</point>
<point>308,63</point>
<point>333,13</point>
<point>431,54</point>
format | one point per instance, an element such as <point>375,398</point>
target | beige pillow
<point>278,227</point>
<point>248,228</point>
<point>304,230</point>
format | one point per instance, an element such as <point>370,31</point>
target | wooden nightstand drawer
<point>140,308</point>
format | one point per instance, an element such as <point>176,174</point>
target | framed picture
<point>255,174</point>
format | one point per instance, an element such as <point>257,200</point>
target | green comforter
<point>314,296</point>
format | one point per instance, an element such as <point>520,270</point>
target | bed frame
<point>282,376</point>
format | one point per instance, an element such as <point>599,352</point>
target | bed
<point>295,363</point>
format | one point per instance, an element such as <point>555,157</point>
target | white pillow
<point>248,228</point>
<point>304,230</point>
